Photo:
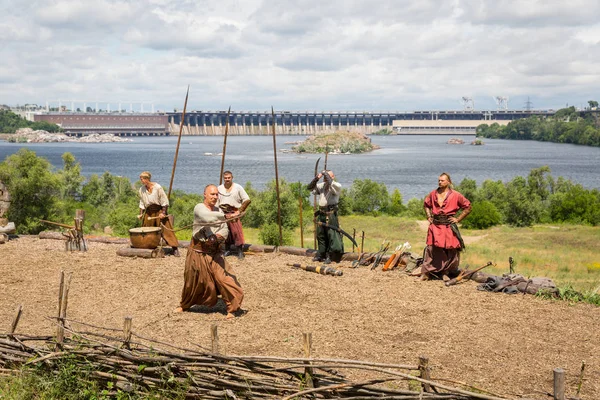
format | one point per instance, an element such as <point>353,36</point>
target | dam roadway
<point>211,123</point>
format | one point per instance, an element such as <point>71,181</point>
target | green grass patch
<point>71,378</point>
<point>568,293</point>
<point>565,253</point>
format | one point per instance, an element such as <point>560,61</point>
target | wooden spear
<point>178,141</point>
<point>224,146</point>
<point>301,222</point>
<point>277,180</point>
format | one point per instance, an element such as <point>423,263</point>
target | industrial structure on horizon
<point>212,123</point>
<point>84,120</point>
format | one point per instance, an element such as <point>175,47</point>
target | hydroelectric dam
<point>214,123</point>
<point>209,123</point>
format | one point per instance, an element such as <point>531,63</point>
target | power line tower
<point>468,103</point>
<point>528,105</point>
<point>501,103</point>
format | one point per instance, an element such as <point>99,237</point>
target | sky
<point>301,55</point>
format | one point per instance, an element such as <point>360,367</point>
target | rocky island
<point>28,135</point>
<point>336,143</point>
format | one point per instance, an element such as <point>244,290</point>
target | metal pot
<point>146,237</point>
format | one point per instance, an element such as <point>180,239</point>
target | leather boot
<point>240,252</point>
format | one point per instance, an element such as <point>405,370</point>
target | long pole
<point>224,146</point>
<point>178,142</point>
<point>315,206</point>
<point>301,222</point>
<point>277,180</point>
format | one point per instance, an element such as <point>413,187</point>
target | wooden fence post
<point>362,242</point>
<point>63,296</point>
<point>214,338</point>
<point>127,332</point>
<point>80,241</point>
<point>559,384</point>
<point>424,373</point>
<point>308,371</point>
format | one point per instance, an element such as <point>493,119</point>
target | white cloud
<point>302,54</point>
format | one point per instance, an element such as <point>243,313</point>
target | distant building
<point>441,126</point>
<point>26,111</point>
<point>120,124</point>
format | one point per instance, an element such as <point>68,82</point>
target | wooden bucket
<point>146,237</point>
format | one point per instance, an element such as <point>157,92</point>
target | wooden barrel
<point>146,237</point>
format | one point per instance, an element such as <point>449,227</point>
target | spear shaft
<point>301,222</point>
<point>178,142</point>
<point>224,146</point>
<point>277,180</point>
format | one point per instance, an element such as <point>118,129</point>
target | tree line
<point>10,122</point>
<point>566,126</point>
<point>38,191</point>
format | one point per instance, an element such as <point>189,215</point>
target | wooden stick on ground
<point>15,322</point>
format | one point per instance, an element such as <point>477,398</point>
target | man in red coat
<point>444,242</point>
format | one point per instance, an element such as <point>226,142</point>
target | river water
<point>408,163</point>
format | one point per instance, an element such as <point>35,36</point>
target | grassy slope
<point>569,254</point>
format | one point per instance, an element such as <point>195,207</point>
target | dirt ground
<point>507,344</point>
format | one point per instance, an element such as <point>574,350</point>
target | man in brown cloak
<point>207,275</point>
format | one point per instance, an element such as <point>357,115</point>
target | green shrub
<point>484,214</point>
<point>577,205</point>
<point>414,209</point>
<point>345,204</point>
<point>521,208</point>
<point>269,235</point>
<point>123,216</point>
<point>395,206</point>
<point>368,197</point>
<point>384,131</point>
<point>34,190</point>
<point>263,209</point>
<point>182,207</point>
<point>468,188</point>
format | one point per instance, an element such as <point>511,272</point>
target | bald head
<point>211,195</point>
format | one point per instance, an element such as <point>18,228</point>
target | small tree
<point>414,209</point>
<point>368,197</point>
<point>269,235</point>
<point>70,178</point>
<point>395,206</point>
<point>34,189</point>
<point>484,214</point>
<point>468,188</point>
<point>522,208</point>
<point>263,209</point>
<point>540,182</point>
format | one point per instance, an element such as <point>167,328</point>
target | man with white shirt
<point>233,200</point>
<point>330,242</point>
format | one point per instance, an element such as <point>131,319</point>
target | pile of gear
<point>516,283</point>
